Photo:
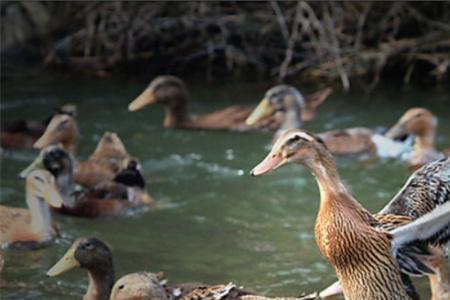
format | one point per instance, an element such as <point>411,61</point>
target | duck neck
<point>291,119</point>
<point>64,182</point>
<point>324,170</point>
<point>425,140</point>
<point>176,113</point>
<point>41,221</point>
<point>100,284</point>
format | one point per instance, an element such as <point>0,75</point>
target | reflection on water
<point>214,223</point>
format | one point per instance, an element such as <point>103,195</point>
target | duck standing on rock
<point>368,254</point>
<point>171,92</point>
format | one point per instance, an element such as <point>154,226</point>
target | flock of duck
<point>373,255</point>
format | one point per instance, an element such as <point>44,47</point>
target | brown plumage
<point>172,93</point>
<point>120,195</point>
<point>423,124</point>
<point>287,104</point>
<point>22,134</point>
<point>31,227</point>
<point>109,157</point>
<point>95,256</point>
<point>351,239</point>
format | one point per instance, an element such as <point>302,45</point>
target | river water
<point>214,223</point>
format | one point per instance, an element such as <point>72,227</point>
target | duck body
<point>109,157</point>
<point>421,123</point>
<point>366,256</point>
<point>172,93</point>
<point>22,134</point>
<point>287,102</point>
<point>119,196</point>
<point>32,227</point>
<point>95,256</point>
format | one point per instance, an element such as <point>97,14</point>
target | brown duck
<point>172,93</point>
<point>368,259</point>
<point>96,257</point>
<point>32,227</point>
<point>118,196</point>
<point>422,124</point>
<point>22,134</point>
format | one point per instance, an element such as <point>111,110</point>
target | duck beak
<point>397,131</point>
<point>273,161</point>
<point>147,97</point>
<point>66,263</point>
<point>147,199</point>
<point>35,165</point>
<point>262,111</point>
<point>52,196</point>
<point>47,138</point>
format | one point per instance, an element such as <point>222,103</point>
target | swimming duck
<point>32,227</point>
<point>62,130</point>
<point>23,133</point>
<point>109,157</point>
<point>350,141</point>
<point>108,198</point>
<point>365,255</point>
<point>94,255</point>
<point>422,124</point>
<point>425,190</point>
<point>172,93</point>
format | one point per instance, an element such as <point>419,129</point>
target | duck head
<point>166,90</point>
<point>293,146</point>
<point>60,163</point>
<point>418,121</point>
<point>280,98</point>
<point>138,286</point>
<point>40,184</point>
<point>61,130</point>
<point>88,253</point>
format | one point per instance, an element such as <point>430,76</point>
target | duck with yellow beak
<point>122,194</point>
<point>172,93</point>
<point>288,104</point>
<point>32,227</point>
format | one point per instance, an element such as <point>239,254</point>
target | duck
<point>31,228</point>
<point>62,130</point>
<point>121,195</point>
<point>172,93</point>
<point>22,134</point>
<point>421,123</point>
<point>425,190</point>
<point>109,157</point>
<point>96,257</point>
<point>357,141</point>
<point>347,234</point>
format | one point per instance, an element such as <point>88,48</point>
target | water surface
<point>215,223</point>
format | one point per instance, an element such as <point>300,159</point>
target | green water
<point>216,223</point>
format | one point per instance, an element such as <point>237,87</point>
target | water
<point>215,223</point>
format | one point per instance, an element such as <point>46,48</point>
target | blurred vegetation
<point>340,42</point>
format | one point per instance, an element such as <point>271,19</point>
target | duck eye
<point>88,246</point>
<point>121,286</point>
<point>418,115</point>
<point>63,124</point>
